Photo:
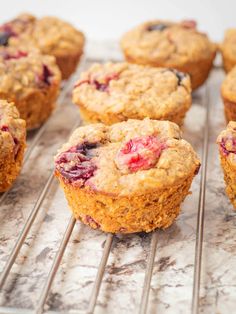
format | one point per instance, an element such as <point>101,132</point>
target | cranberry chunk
<point>5,128</point>
<point>140,153</point>
<point>157,27</point>
<point>228,145</point>
<point>75,164</point>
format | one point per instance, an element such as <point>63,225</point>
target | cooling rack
<point>50,263</point>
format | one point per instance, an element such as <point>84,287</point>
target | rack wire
<point>98,280</point>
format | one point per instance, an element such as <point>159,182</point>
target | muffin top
<point>15,27</point>
<point>12,128</point>
<point>228,87</point>
<point>22,72</point>
<point>127,158</point>
<point>133,91</point>
<point>49,34</point>
<point>228,46</point>
<point>227,143</point>
<point>166,43</point>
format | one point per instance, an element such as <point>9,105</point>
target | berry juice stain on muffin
<point>15,55</point>
<point>101,84</point>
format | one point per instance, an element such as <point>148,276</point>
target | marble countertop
<point>172,281</point>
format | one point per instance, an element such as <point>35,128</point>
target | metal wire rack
<point>142,304</point>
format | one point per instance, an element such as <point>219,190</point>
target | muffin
<point>12,143</point>
<point>228,93</point>
<point>228,49</point>
<point>128,177</point>
<point>51,36</point>
<point>31,81</point>
<point>115,92</point>
<point>167,44</point>
<point>227,150</point>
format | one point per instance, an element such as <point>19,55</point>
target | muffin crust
<point>128,177</point>
<point>115,92</point>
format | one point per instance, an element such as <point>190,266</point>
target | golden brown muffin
<point>128,177</point>
<point>115,92</point>
<point>167,44</point>
<point>227,150</point>
<point>228,49</point>
<point>32,81</point>
<point>50,35</point>
<point>12,143</point>
<point>228,93</point>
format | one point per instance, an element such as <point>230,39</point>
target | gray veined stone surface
<point>172,281</point>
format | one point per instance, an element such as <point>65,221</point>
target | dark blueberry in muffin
<point>180,75</point>
<point>157,27</point>
<point>4,37</point>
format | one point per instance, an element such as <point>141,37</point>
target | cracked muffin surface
<point>12,143</point>
<point>32,81</point>
<point>128,177</point>
<point>168,44</point>
<point>51,36</point>
<point>114,92</point>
